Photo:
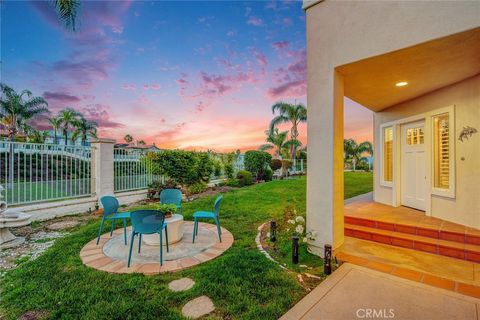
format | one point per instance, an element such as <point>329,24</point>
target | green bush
<point>244,178</point>
<point>197,188</point>
<point>231,183</point>
<point>229,170</point>
<point>217,168</point>
<point>155,187</point>
<point>268,174</point>
<point>257,163</point>
<point>276,164</point>
<point>185,167</point>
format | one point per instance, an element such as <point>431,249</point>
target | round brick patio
<point>111,254</point>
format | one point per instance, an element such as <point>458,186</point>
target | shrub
<point>276,164</point>
<point>155,187</point>
<point>268,174</point>
<point>196,188</point>
<point>257,163</point>
<point>228,170</point>
<point>185,167</point>
<point>217,168</point>
<point>232,183</point>
<point>244,178</point>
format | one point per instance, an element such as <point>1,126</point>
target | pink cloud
<point>129,87</point>
<point>100,114</point>
<point>254,21</point>
<point>151,86</point>
<point>260,57</point>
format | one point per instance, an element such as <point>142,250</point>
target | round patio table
<point>175,232</point>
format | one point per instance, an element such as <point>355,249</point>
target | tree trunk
<point>354,162</point>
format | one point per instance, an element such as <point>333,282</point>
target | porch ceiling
<point>426,67</point>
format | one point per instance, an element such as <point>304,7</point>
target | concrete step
<point>453,249</point>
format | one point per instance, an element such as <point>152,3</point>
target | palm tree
<point>289,113</point>
<point>276,140</point>
<point>37,136</point>
<point>141,143</point>
<point>354,151</point>
<point>85,128</point>
<point>67,12</point>
<point>15,110</point>
<point>69,117</point>
<point>56,122</point>
<point>128,138</point>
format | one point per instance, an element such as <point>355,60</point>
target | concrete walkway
<point>354,292</point>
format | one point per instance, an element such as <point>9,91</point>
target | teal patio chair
<point>147,222</point>
<point>172,196</point>
<point>110,213</point>
<point>208,215</point>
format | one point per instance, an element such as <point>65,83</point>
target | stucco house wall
<point>465,95</point>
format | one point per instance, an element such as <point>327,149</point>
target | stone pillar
<point>102,167</point>
<point>325,158</point>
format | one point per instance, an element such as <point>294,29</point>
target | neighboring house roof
<point>152,147</point>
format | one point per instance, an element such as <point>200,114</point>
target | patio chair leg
<point>166,237</point>
<point>131,246</point>
<point>217,222</point>
<point>139,242</point>
<point>125,230</point>
<point>194,227</point>
<point>101,229</point>
<point>113,224</point>
<point>161,248</point>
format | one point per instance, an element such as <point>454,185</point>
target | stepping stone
<point>62,225</point>
<point>182,284</point>
<point>198,307</point>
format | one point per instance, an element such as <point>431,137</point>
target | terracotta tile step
<point>469,236</point>
<point>420,243</point>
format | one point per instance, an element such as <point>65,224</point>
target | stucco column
<point>325,156</point>
<point>102,167</point>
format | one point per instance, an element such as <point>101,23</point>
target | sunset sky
<point>192,75</point>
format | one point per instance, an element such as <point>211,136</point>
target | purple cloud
<point>59,97</point>
<point>280,45</point>
<point>129,87</point>
<point>100,114</point>
<point>290,81</point>
<point>254,21</point>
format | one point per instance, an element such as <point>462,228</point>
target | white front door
<point>413,165</point>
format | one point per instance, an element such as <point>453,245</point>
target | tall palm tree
<point>276,140</point>
<point>17,108</point>
<point>289,113</point>
<point>69,118</point>
<point>56,122</point>
<point>85,128</point>
<point>67,11</point>
<point>355,152</point>
<point>128,138</point>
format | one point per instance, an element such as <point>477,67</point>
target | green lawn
<point>242,283</point>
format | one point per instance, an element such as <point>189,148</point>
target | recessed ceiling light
<point>401,84</point>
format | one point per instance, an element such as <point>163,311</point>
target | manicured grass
<point>242,283</point>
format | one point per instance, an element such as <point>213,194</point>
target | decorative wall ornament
<point>466,133</point>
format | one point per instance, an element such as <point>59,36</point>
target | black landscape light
<point>273,231</point>
<point>295,250</point>
<point>327,262</point>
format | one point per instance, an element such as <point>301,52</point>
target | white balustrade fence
<point>133,170</point>
<point>34,172</point>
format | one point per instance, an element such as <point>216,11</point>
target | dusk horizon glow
<point>187,75</point>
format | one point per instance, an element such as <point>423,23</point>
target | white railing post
<point>102,167</point>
